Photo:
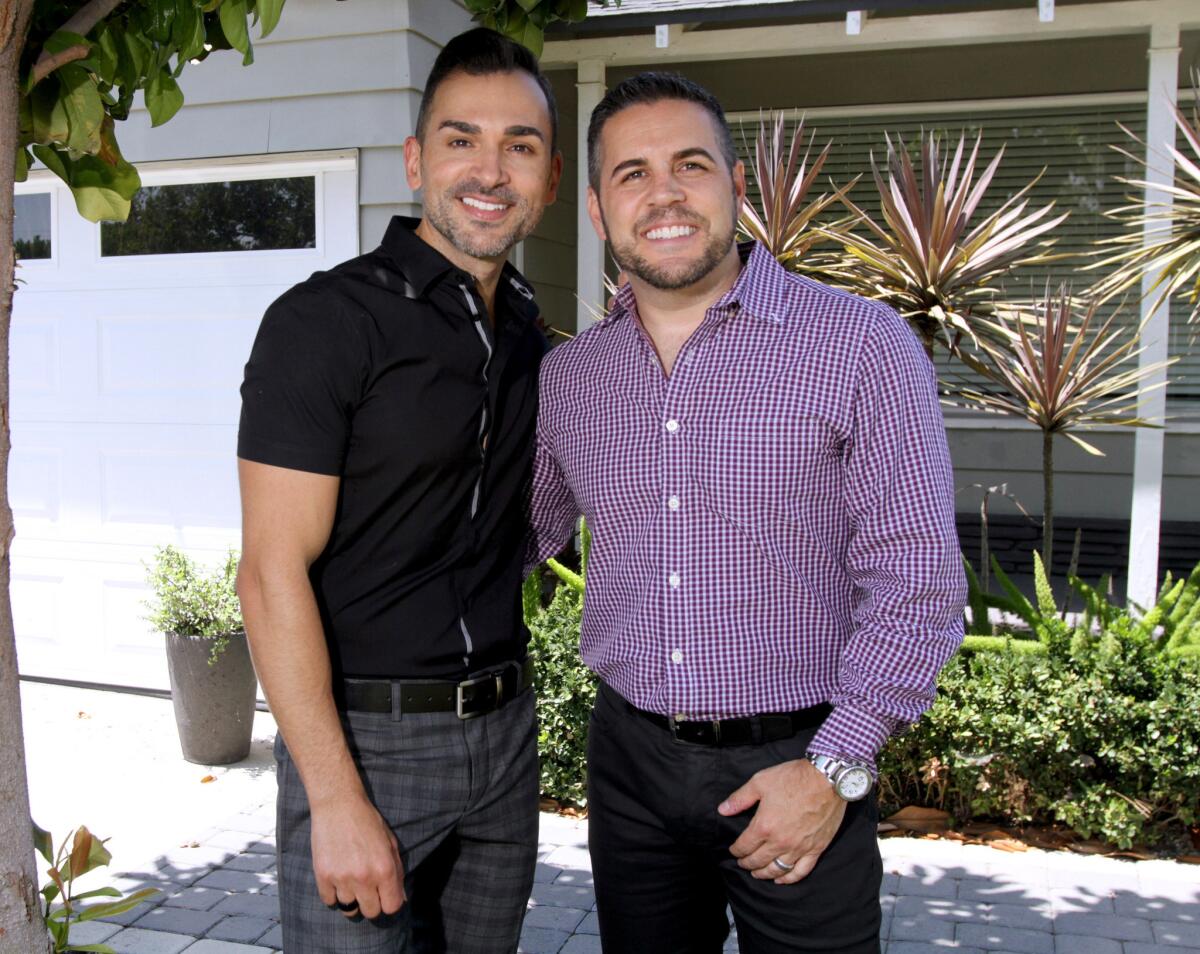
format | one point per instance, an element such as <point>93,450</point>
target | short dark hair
<point>481,52</point>
<point>653,87</point>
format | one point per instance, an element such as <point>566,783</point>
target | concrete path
<point>218,893</point>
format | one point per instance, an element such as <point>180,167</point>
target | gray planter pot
<point>214,705</point>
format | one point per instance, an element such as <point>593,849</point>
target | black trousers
<point>660,851</point>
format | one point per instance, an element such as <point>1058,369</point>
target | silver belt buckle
<point>496,677</point>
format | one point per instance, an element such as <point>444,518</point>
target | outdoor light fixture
<point>662,36</point>
<point>854,22</point>
<point>1046,11</point>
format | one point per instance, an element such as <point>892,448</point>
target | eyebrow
<point>472,130</point>
<point>682,154</point>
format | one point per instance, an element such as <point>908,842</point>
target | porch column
<point>589,250</point>
<point>1146,511</point>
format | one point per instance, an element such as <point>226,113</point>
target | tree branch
<point>82,22</point>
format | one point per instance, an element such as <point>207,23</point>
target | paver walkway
<point>221,897</point>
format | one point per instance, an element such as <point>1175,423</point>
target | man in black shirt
<point>387,420</point>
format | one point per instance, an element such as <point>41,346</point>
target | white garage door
<point>128,343</point>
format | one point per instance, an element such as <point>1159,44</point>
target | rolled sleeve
<point>551,510</point>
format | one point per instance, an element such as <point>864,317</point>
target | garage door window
<point>31,225</point>
<point>237,216</point>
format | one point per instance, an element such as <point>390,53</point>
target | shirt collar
<point>757,290</point>
<point>423,265</point>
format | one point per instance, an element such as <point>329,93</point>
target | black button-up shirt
<point>386,372</point>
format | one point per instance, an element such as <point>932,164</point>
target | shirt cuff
<point>852,733</point>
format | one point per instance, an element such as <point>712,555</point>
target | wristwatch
<point>850,779</point>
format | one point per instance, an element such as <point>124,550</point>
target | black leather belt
<point>470,698</point>
<point>751,730</point>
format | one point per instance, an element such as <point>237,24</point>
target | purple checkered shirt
<point>773,524</point>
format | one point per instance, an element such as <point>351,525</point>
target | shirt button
<point>673,580</point>
<point>677,656</point>
<point>673,502</point>
<point>672,426</point>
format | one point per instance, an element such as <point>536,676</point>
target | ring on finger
<point>347,907</point>
<point>783,865</point>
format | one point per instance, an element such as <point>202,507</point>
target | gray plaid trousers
<point>462,799</point>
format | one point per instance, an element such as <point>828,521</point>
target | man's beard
<point>679,274</point>
<point>440,212</point>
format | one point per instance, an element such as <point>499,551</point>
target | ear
<point>593,206</point>
<point>412,162</point>
<point>556,169</point>
<point>739,182</point>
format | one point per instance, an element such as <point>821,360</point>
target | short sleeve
<point>302,384</point>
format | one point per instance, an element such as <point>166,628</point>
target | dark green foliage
<point>1105,741</point>
<point>566,690</point>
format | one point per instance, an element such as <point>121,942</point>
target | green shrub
<point>565,691</point>
<point>187,601</point>
<point>1104,738</point>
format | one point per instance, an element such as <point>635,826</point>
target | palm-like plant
<point>784,220</point>
<point>1060,376</point>
<point>928,258</point>
<point>1174,259</point>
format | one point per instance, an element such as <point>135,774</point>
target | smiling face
<point>666,202</point>
<point>485,164</point>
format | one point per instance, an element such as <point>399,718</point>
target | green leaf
<point>84,108</point>
<point>108,909</point>
<point>528,5</point>
<point>163,98</point>
<point>21,172</point>
<point>41,838</point>
<point>188,33</point>
<point>135,59</point>
<point>102,192</point>
<point>50,122</point>
<point>269,12</point>
<point>233,17</point>
<point>108,53</point>
<point>98,893</point>
<point>570,577</point>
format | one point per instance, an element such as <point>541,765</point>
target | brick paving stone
<point>552,916</point>
<point>92,932</point>
<point>590,924</point>
<point>178,920</point>
<point>250,861</point>
<point>1079,944</point>
<point>544,873</point>
<point>541,941</point>
<point>1105,925</point>
<point>235,880</point>
<point>942,909</point>
<point>916,947</point>
<point>239,927</point>
<point>1154,908</point>
<point>139,941</point>
<point>1177,933</point>
<point>264,846</point>
<point>208,946</point>
<point>251,905</point>
<point>559,830</point>
<point>128,917</point>
<point>273,938</point>
<point>575,876</point>
<point>271,889</point>
<point>1077,899</point>
<point>582,944</point>
<point>563,895</point>
<point>234,841</point>
<point>997,937</point>
<point>196,897</point>
<point>921,928</point>
<point>993,892</point>
<point>944,887</point>
<point>570,856</point>
<point>1037,918</point>
<point>1133,947</point>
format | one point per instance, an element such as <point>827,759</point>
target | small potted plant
<point>213,686</point>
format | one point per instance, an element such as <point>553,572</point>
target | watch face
<point>854,783</point>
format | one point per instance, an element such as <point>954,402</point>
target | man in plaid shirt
<point>775,579</point>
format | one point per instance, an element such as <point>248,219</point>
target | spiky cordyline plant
<point>784,220</point>
<point>927,259</point>
<point>1174,259</point>
<point>1060,376</point>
